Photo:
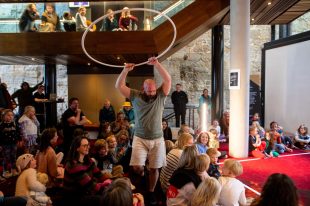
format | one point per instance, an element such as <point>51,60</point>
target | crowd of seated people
<point>92,171</point>
<point>50,21</point>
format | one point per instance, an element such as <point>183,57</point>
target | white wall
<point>287,86</point>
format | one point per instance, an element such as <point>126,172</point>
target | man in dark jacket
<point>179,100</point>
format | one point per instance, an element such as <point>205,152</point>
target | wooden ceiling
<point>64,48</point>
<point>272,12</point>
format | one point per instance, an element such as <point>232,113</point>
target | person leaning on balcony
<point>69,22</point>
<point>50,20</point>
<point>27,20</point>
<point>81,23</point>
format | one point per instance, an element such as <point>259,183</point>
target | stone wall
<point>14,75</point>
<point>191,66</point>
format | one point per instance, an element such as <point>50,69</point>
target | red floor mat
<point>297,167</point>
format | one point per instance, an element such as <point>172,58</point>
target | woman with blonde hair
<point>185,179</point>
<point>173,159</point>
<point>207,194</point>
<point>127,22</point>
<point>29,127</point>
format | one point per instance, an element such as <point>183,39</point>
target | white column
<point>239,59</point>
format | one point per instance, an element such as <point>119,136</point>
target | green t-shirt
<point>148,115</point>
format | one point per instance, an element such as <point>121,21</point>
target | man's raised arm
<point>163,73</point>
<point>121,80</point>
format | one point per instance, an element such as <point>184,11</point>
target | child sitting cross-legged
<point>233,191</point>
<point>256,145</point>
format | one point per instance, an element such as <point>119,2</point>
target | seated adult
<point>83,181</point>
<point>166,130</point>
<point>110,23</point>
<point>107,113</point>
<point>72,119</point>
<point>47,160</point>
<point>173,159</point>
<point>127,22</point>
<point>50,20</point>
<point>81,23</point>
<point>27,20</point>
<point>69,22</point>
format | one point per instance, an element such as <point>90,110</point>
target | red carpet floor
<point>256,172</point>
<point>296,165</point>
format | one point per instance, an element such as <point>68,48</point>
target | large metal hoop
<point>119,11</point>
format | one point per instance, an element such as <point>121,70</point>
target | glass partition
<point>23,17</point>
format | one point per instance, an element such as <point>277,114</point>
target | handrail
<point>191,114</point>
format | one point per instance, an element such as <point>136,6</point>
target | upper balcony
<point>152,34</point>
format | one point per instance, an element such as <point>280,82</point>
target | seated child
<point>271,145</point>
<point>202,163</point>
<point>302,138</point>
<point>102,158</point>
<point>202,142</point>
<point>27,180</point>
<point>119,193</point>
<point>214,140</point>
<point>256,145</point>
<point>233,191</point>
<point>40,198</point>
<point>207,194</point>
<point>216,126</point>
<point>260,130</point>
<point>213,170</point>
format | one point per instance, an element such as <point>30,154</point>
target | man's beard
<point>149,98</point>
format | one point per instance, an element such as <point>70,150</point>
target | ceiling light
<point>252,19</point>
<point>88,64</point>
<point>118,58</point>
<point>158,16</point>
<point>33,59</point>
<point>269,3</point>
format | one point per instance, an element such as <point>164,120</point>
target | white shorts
<point>153,150</point>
